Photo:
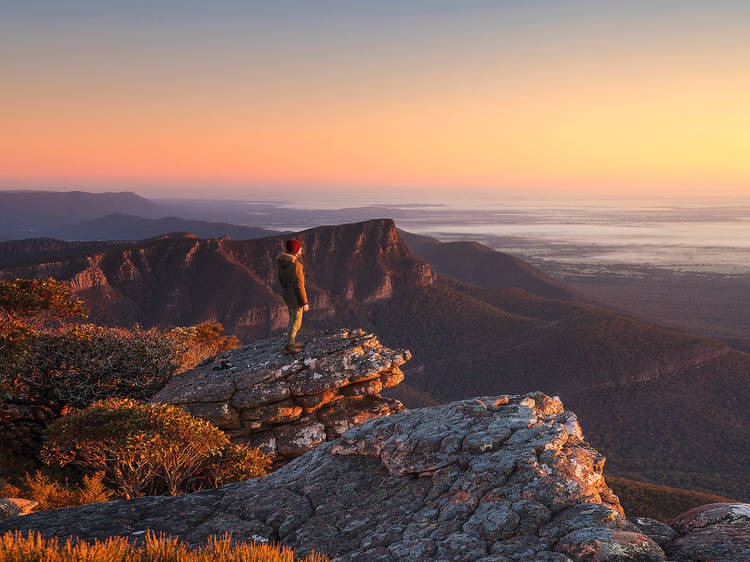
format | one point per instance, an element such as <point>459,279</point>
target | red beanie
<point>293,246</point>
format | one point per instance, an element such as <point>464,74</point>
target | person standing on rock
<point>292,280</point>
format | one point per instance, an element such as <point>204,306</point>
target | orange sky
<point>569,106</point>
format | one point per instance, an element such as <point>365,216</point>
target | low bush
<point>51,494</point>
<point>17,547</point>
<point>46,352</point>
<point>195,344</point>
<point>27,306</point>
<point>149,448</point>
<point>77,365</point>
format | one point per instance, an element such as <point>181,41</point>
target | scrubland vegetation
<point>51,494</point>
<point>149,449</point>
<point>107,441</point>
<point>16,547</point>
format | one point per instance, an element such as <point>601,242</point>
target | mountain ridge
<point>465,339</point>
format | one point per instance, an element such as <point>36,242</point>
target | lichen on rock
<point>288,404</point>
<point>476,479</point>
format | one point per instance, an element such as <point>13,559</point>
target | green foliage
<point>17,547</point>
<point>148,447</point>
<point>234,464</point>
<point>30,299</point>
<point>51,494</point>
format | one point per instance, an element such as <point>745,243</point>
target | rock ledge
<point>288,404</point>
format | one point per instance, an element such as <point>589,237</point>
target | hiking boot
<point>292,349</point>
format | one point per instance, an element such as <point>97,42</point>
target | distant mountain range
<point>665,407</point>
<point>29,214</point>
<point>119,226</point>
<point>78,215</point>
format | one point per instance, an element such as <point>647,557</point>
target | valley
<point>642,391</point>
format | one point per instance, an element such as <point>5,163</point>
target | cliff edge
<point>288,404</point>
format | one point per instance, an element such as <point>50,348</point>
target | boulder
<point>718,531</point>
<point>288,404</point>
<point>10,507</point>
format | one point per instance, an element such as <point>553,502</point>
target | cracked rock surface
<point>288,404</point>
<point>489,479</point>
<point>472,480</point>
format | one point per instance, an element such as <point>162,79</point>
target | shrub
<point>51,494</point>
<point>148,447</point>
<point>37,301</point>
<point>235,463</point>
<point>16,547</point>
<point>77,365</point>
<point>26,306</point>
<point>195,344</point>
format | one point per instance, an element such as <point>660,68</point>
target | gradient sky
<point>560,97</point>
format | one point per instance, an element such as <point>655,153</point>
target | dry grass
<point>16,547</point>
<point>51,494</point>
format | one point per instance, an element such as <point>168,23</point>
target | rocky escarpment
<point>288,404</point>
<point>488,479</point>
<point>182,280</point>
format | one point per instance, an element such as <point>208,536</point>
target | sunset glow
<point>579,98</point>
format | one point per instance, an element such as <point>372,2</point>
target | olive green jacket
<point>292,280</point>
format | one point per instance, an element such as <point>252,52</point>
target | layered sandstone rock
<point>288,404</point>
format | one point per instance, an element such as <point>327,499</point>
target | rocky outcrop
<point>489,479</point>
<point>10,507</point>
<point>719,531</point>
<point>288,404</point>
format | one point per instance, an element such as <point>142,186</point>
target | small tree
<point>145,445</point>
<point>26,306</point>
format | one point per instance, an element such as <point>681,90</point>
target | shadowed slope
<point>480,265</point>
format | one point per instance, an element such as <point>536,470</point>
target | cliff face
<point>288,404</point>
<point>178,280</point>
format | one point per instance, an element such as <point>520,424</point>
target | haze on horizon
<point>174,98</point>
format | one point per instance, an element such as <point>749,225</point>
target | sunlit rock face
<point>495,478</point>
<point>489,479</point>
<point>10,507</point>
<point>289,404</point>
